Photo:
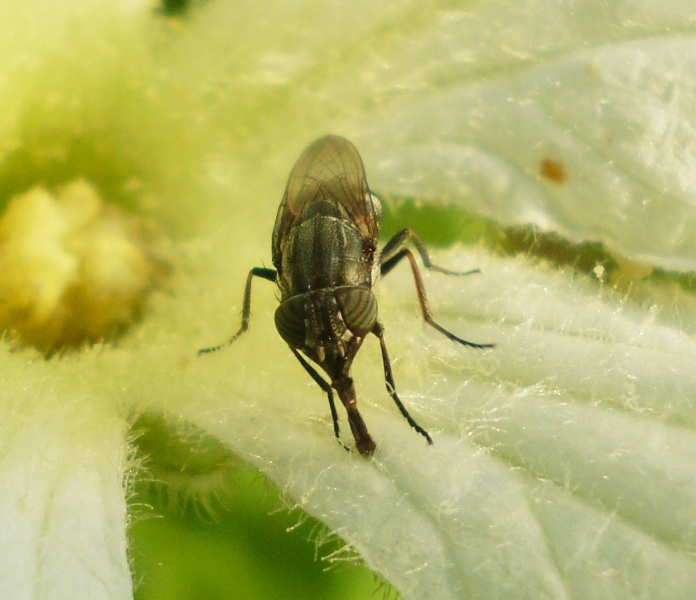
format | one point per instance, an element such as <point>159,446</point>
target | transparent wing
<point>330,169</point>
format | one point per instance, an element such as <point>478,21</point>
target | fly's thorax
<point>324,252</point>
<point>328,325</point>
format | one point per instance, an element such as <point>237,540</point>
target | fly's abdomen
<point>326,317</point>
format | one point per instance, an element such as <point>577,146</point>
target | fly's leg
<point>392,254</point>
<point>378,330</point>
<point>394,251</point>
<point>268,274</point>
<point>319,380</point>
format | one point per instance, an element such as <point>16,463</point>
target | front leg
<point>268,274</point>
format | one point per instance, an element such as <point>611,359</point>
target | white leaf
<point>579,121</point>
<point>62,510</point>
<point>564,461</point>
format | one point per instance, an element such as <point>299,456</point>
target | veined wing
<point>330,169</point>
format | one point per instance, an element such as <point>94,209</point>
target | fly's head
<point>328,325</point>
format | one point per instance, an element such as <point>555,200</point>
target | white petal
<point>62,510</point>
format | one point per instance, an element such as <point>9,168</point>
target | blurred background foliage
<point>252,548</point>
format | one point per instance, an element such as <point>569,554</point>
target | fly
<point>326,262</point>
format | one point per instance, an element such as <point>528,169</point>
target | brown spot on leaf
<point>553,170</point>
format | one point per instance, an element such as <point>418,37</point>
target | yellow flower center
<point>72,268</point>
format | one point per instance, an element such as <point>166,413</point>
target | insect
<point>326,262</point>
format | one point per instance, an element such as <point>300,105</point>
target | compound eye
<point>358,307</point>
<point>290,321</point>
